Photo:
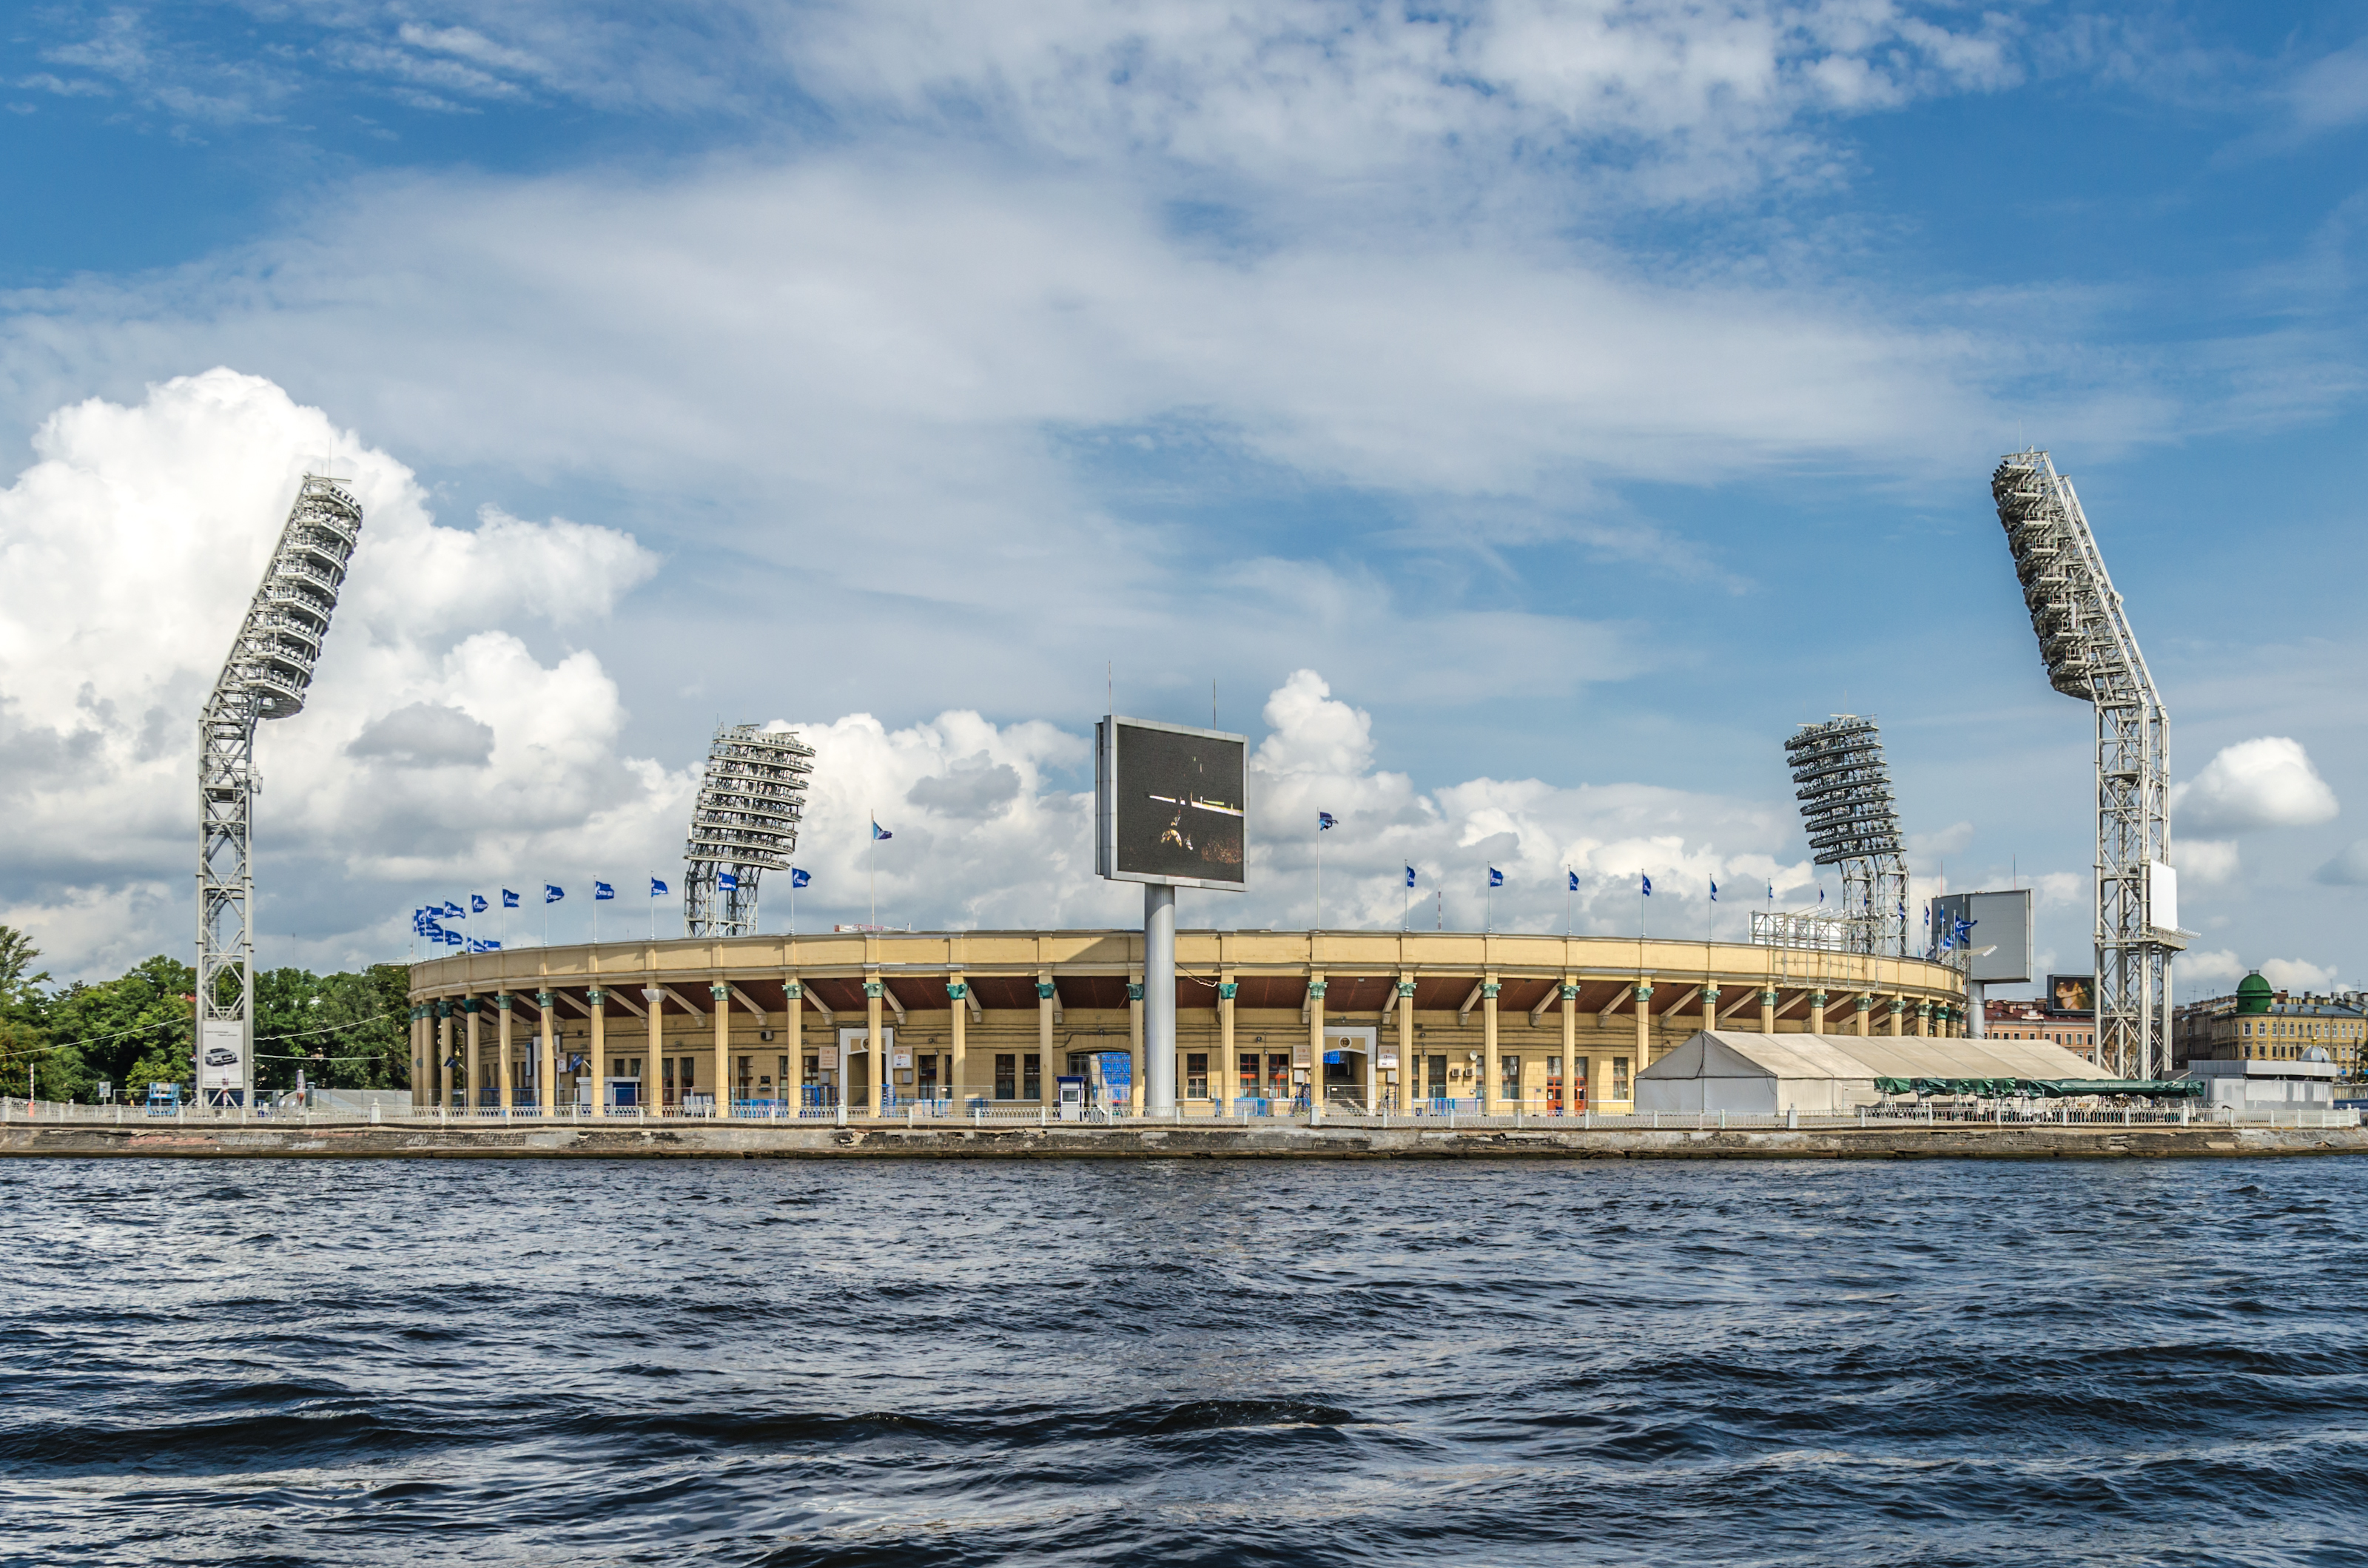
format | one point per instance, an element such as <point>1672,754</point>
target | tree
<point>133,1031</point>
<point>16,956</point>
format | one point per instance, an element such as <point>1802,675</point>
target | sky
<point>1514,418</point>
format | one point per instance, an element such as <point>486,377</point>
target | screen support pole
<point>1976,1011</point>
<point>1158,999</point>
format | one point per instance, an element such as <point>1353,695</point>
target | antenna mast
<point>2085,643</point>
<point>265,676</point>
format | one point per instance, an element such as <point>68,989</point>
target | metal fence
<point>1447,1116</point>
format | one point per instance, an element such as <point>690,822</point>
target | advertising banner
<point>1997,941</point>
<point>221,1052</point>
<point>1169,804</point>
<point>2072,993</point>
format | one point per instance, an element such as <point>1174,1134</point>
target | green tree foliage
<point>131,1031</point>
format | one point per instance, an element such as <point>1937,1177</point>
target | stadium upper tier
<point>1385,1018</point>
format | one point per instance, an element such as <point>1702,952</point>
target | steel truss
<point>265,676</point>
<point>745,824</point>
<point>2085,643</point>
<point>1847,806</point>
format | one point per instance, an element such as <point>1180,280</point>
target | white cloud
<point>2209,967</point>
<point>432,737</point>
<point>2296,974</point>
<point>2347,868</point>
<point>2267,782</point>
<point>2205,862</point>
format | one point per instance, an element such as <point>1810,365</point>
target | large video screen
<point>2071,993</point>
<point>1169,804</point>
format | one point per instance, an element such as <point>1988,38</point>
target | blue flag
<point>879,831</point>
<point>1496,877</point>
<point>455,911</point>
<point>799,879</point>
<point>453,939</point>
<point>1821,895</point>
<point>1771,893</point>
<point>487,946</point>
<point>658,888</point>
<point>1323,821</point>
<point>1648,886</point>
<point>509,899</point>
<point>553,893</point>
<point>1574,882</point>
<point>1409,876</point>
<point>727,881</point>
<point>1713,889</point>
<point>477,905</point>
<point>602,891</point>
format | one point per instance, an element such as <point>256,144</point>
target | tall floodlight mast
<point>1846,804</point>
<point>744,824</point>
<point>265,676</point>
<point>2085,643</point>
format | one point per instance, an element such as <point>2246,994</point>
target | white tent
<point>1824,1073</point>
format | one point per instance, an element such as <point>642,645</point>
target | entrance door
<point>859,1063</point>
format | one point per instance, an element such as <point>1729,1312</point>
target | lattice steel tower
<point>265,676</point>
<point>744,824</point>
<point>1846,804</point>
<point>2085,643</point>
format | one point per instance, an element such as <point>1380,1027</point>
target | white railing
<point>1451,1116</point>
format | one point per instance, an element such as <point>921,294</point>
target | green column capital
<point>1043,991</point>
<point>1133,990</point>
<point>1405,987</point>
<point>957,989</point>
<point>1226,988</point>
<point>1488,989</point>
<point>1316,990</point>
<point>873,988</point>
<point>718,990</point>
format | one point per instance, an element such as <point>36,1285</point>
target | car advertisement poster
<point>222,1050</point>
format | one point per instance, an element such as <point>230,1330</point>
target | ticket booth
<point>1072,1088</point>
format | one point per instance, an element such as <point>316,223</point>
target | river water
<point>898,1363</point>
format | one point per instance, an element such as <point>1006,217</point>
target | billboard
<point>1168,804</point>
<point>2072,993</point>
<point>221,1052</point>
<point>2000,938</point>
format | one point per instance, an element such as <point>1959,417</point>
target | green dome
<point>2253,993</point>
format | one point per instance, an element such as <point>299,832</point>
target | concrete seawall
<point>1271,1142</point>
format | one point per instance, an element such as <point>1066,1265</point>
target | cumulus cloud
<point>2267,782</point>
<point>2205,862</point>
<point>2348,870</point>
<point>2209,967</point>
<point>2297,974</point>
<point>432,735</point>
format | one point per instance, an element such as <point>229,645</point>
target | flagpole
<point>1319,875</point>
<point>875,868</point>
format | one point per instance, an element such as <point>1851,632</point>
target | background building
<point>2039,1018</point>
<point>2261,1023</point>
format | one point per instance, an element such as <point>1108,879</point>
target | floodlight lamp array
<point>1845,794</point>
<point>751,799</point>
<point>2051,561</point>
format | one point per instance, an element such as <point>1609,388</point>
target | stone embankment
<point>1266,1141</point>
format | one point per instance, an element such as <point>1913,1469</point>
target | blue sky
<point>1587,394</point>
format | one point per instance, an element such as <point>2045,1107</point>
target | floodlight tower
<point>745,823</point>
<point>2091,653</point>
<point>265,676</point>
<point>1846,804</point>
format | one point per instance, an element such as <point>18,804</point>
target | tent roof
<point>1736,1054</point>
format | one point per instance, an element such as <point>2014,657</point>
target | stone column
<point>420,1076</point>
<point>1898,1008</point>
<point>1045,997</point>
<point>1232,1066</point>
<point>956,993</point>
<point>597,1064</point>
<point>547,1085</point>
<point>656,1021</point>
<point>793,1001</point>
<point>1923,1020</point>
<point>1490,1092</point>
<point>874,1040</point>
<point>1137,1063</point>
<point>1816,1012</point>
<point>1865,1010</point>
<point>1710,1007</point>
<point>727,1083</point>
<point>1644,1033</point>
<point>476,1067</point>
<point>443,1036</point>
<point>509,1095</point>
<point>1405,1044</point>
<point>1570,1085</point>
<point>1768,1010</point>
<point>1316,1048</point>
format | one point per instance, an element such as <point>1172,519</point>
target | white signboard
<point>2162,895</point>
<point>221,1051</point>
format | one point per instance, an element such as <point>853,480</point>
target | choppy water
<point>1210,1363</point>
